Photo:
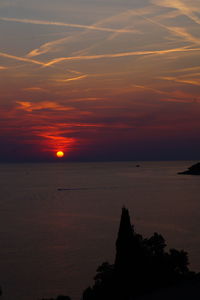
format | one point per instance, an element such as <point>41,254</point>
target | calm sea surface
<point>52,240</point>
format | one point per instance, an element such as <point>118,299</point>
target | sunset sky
<point>99,79</point>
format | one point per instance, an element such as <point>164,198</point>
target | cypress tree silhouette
<point>124,243</point>
<point>123,266</point>
<point>131,260</point>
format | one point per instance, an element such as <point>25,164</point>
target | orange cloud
<point>30,106</point>
<point>73,78</point>
<point>35,89</point>
<point>54,141</point>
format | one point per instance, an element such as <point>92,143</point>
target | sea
<point>59,221</point>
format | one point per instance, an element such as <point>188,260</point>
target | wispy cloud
<point>47,47</point>
<point>183,33</point>
<point>175,30</point>
<point>181,80</point>
<point>148,88</point>
<point>86,99</point>
<point>30,106</point>
<point>167,15</point>
<point>73,78</point>
<point>35,89</point>
<point>185,8</point>
<point>119,55</point>
<point>55,137</point>
<point>101,25</point>
<point>183,70</point>
<point>23,59</point>
<point>79,26</point>
<point>3,68</point>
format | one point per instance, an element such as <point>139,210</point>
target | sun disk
<point>60,154</point>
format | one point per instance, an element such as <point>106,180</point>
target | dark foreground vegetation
<point>61,297</point>
<point>142,267</point>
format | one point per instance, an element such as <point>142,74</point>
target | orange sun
<point>60,154</point>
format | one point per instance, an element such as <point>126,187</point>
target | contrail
<point>100,24</point>
<point>118,55</point>
<point>181,7</point>
<point>80,26</point>
<point>22,59</point>
<point>73,78</point>
<point>100,56</point>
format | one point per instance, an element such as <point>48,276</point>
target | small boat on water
<point>193,170</point>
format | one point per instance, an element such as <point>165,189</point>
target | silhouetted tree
<point>60,297</point>
<point>179,262</point>
<point>88,294</point>
<point>129,261</point>
<point>103,287</point>
<point>156,244</point>
<point>104,273</point>
<point>141,265</point>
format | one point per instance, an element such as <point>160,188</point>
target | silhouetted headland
<point>193,170</point>
<point>143,269</point>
